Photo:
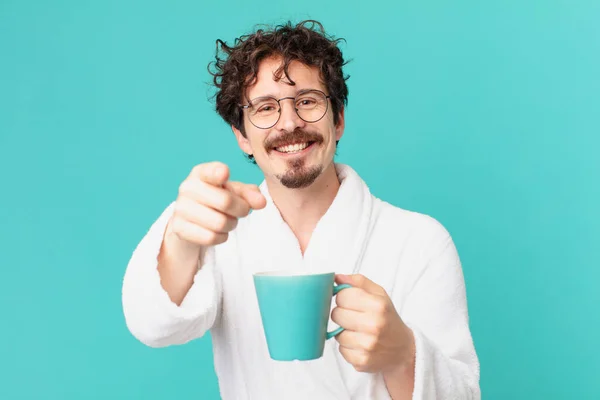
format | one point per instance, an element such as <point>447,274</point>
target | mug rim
<point>289,274</point>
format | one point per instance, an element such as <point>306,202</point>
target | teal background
<point>484,115</point>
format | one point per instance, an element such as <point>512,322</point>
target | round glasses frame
<point>327,97</point>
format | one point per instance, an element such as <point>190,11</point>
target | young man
<point>406,322</point>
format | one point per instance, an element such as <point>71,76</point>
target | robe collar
<point>341,235</point>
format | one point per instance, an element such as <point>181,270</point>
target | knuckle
<point>187,233</point>
<point>208,236</point>
<point>371,344</point>
<point>380,306</point>
<point>177,226</point>
<point>226,201</point>
<point>179,209</point>
<point>342,297</point>
<point>197,169</point>
<point>359,279</point>
<point>221,238</point>
<point>379,325</point>
<point>362,363</point>
<point>335,314</point>
<point>190,187</point>
<point>181,189</point>
<point>176,215</point>
<point>183,210</point>
<point>220,222</point>
<point>245,208</point>
<point>375,326</point>
<point>184,186</point>
<point>337,339</point>
<point>343,351</point>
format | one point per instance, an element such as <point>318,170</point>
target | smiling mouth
<point>294,147</point>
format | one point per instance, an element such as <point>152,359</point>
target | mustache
<point>297,136</point>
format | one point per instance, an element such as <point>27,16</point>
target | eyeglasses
<point>310,106</point>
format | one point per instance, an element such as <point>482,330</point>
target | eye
<point>266,108</point>
<point>305,102</point>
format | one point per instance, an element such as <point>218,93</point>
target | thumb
<point>250,193</point>
<point>362,282</point>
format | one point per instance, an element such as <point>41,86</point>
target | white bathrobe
<point>409,254</point>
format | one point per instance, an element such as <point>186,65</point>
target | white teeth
<point>292,148</point>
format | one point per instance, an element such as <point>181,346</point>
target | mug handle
<point>336,290</point>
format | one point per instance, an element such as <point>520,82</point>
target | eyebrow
<point>301,91</point>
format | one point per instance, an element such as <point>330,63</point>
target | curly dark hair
<point>236,67</point>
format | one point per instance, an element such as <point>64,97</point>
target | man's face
<point>293,151</point>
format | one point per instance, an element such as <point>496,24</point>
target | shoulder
<point>419,236</point>
<point>411,222</point>
<point>423,242</point>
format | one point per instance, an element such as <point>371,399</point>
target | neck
<point>302,209</point>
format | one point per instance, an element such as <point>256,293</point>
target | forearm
<point>400,379</point>
<point>445,363</point>
<point>177,265</point>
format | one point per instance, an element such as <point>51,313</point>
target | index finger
<point>248,192</point>
<point>221,199</point>
<point>214,173</point>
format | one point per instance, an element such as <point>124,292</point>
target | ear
<point>243,142</point>
<point>339,128</point>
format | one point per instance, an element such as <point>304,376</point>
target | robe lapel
<point>340,238</point>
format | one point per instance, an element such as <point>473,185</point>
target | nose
<point>288,120</point>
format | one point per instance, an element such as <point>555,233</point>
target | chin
<point>300,176</point>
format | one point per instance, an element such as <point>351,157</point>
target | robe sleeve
<point>447,366</point>
<point>150,315</point>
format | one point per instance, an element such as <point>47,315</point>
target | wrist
<point>178,263</point>
<point>405,361</point>
<point>177,248</point>
<point>178,257</point>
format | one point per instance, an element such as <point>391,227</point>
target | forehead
<point>267,83</point>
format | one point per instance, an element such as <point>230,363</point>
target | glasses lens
<point>264,112</point>
<point>311,106</point>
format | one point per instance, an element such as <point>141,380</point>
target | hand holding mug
<point>375,339</point>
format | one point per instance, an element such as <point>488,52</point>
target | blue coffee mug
<point>295,309</point>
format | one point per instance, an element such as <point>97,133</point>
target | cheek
<point>255,141</point>
<point>331,135</point>
<point>331,128</point>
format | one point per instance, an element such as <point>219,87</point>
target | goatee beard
<point>299,176</point>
